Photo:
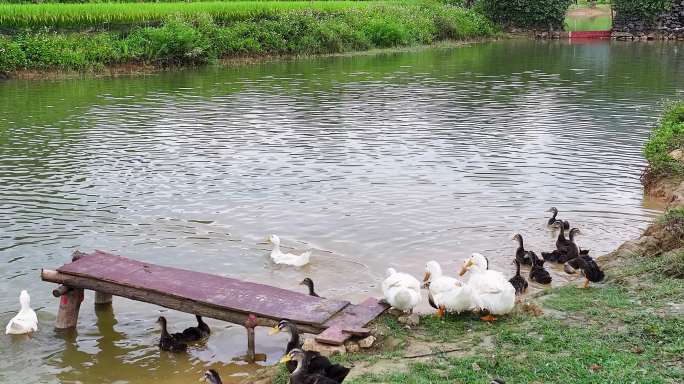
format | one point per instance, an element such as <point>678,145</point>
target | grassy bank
<point>200,38</point>
<point>666,137</point>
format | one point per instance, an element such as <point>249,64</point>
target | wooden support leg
<point>250,324</point>
<point>102,299</point>
<point>69,304</point>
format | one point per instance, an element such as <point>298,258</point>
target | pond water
<point>374,160</point>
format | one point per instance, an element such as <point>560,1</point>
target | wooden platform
<point>213,296</point>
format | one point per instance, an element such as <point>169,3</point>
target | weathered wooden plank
<point>183,286</point>
<point>179,304</point>
<point>349,320</point>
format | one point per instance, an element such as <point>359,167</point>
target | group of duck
<point>485,291</point>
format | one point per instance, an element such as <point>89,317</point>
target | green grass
<point>627,330</point>
<point>200,39</point>
<point>108,14</point>
<point>667,136</point>
<point>602,22</point>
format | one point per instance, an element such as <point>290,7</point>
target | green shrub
<point>666,137</point>
<point>177,41</point>
<point>526,14</point>
<point>12,57</point>
<point>646,10</point>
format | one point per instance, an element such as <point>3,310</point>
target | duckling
<point>317,362</point>
<point>518,282</point>
<point>591,271</point>
<point>304,374</point>
<point>563,224</point>
<point>566,249</point>
<point>279,257</point>
<point>309,283</point>
<point>401,290</point>
<point>291,328</point>
<point>538,273</point>
<point>168,342</point>
<point>197,333</point>
<point>212,377</point>
<point>520,253</point>
<point>26,320</point>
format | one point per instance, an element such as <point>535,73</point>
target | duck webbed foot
<point>585,285</point>
<point>488,317</point>
<point>441,311</point>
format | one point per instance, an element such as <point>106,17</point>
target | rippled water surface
<point>371,161</point>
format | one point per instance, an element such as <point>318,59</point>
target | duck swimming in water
<point>563,224</point>
<point>197,333</point>
<point>566,249</point>
<point>518,282</point>
<point>279,257</point>
<point>310,284</point>
<point>168,342</point>
<point>26,320</point>
<point>521,255</point>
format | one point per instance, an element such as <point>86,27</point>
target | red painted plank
<point>590,34</point>
<point>351,318</point>
<point>231,294</point>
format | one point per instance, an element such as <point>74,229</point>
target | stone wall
<point>667,26</point>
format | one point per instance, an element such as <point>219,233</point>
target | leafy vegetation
<point>526,14</point>
<point>647,10</point>
<point>184,40</point>
<point>666,137</point>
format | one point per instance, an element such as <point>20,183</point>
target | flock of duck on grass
<point>477,289</point>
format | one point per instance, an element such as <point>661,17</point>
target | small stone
<point>324,349</point>
<point>677,154</point>
<point>367,342</point>
<point>411,320</point>
<point>352,346</point>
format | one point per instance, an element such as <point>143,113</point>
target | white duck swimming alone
<point>491,290</point>
<point>26,320</point>
<point>401,290</point>
<point>279,257</point>
<point>447,294</point>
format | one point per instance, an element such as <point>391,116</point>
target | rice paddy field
<point>107,14</point>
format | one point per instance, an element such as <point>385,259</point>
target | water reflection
<point>370,161</point>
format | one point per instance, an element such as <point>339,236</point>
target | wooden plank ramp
<point>213,296</point>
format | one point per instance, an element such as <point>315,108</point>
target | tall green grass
<point>666,137</point>
<point>185,40</point>
<point>104,14</point>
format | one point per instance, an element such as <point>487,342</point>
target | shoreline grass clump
<point>665,138</point>
<point>199,39</point>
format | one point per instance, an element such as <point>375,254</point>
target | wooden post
<point>102,299</point>
<point>250,324</point>
<point>69,304</point>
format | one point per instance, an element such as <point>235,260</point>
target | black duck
<point>537,272</point>
<point>212,377</point>
<point>168,342</point>
<point>591,271</point>
<point>566,249</point>
<point>518,282</point>
<point>197,333</point>
<point>304,372</point>
<point>563,224</point>
<point>309,283</point>
<point>520,254</point>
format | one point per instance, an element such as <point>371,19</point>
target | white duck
<point>446,293</point>
<point>491,290</point>
<point>26,320</point>
<point>279,257</point>
<point>401,290</point>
